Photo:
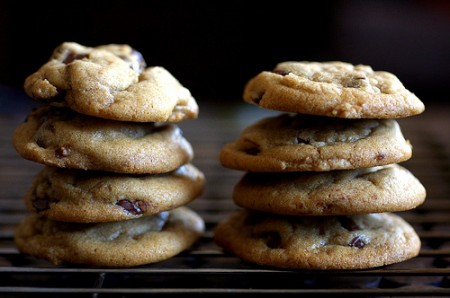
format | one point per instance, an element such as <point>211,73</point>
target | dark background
<point>214,47</point>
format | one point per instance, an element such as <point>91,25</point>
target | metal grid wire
<point>205,269</point>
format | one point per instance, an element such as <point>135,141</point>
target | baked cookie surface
<point>62,138</point>
<point>311,242</point>
<point>112,82</point>
<point>89,196</point>
<point>334,89</point>
<point>296,142</point>
<point>387,188</point>
<point>126,243</point>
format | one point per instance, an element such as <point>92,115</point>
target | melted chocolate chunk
<point>381,156</point>
<point>281,72</point>
<point>272,239</point>
<point>73,56</point>
<point>357,242</point>
<point>41,143</point>
<point>63,151</point>
<point>132,207</point>
<point>252,151</point>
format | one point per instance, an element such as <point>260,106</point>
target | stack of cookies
<point>322,178</point>
<point>118,171</point>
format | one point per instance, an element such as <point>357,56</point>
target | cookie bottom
<point>119,244</point>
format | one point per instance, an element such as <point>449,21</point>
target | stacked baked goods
<point>118,172</point>
<point>322,181</point>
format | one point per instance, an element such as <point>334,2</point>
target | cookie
<point>90,196</point>
<point>387,188</point>
<point>127,243</point>
<point>334,89</point>
<point>62,138</point>
<point>318,242</point>
<point>296,142</point>
<point>112,82</point>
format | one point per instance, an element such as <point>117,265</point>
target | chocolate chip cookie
<point>128,243</point>
<point>112,82</point>
<point>314,242</point>
<point>334,89</point>
<point>63,138</point>
<point>389,188</point>
<point>90,196</point>
<point>296,142</point>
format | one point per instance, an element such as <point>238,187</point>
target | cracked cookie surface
<point>128,243</point>
<point>330,242</point>
<point>387,188</point>
<point>296,142</point>
<point>90,196</point>
<point>62,138</point>
<point>334,89</point>
<point>111,82</point>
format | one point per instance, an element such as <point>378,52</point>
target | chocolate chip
<point>71,56</point>
<point>272,239</point>
<point>252,151</point>
<point>357,242</point>
<point>381,156</point>
<point>354,83</point>
<point>63,151</point>
<point>41,143</point>
<point>281,72</point>
<point>348,224</point>
<point>132,207</point>
<point>41,204</point>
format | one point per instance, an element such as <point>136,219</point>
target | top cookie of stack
<point>334,89</point>
<point>110,82</point>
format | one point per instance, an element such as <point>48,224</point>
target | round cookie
<point>334,89</point>
<point>389,188</point>
<point>62,138</point>
<point>318,242</point>
<point>111,82</point>
<point>89,196</point>
<point>296,142</point>
<point>127,243</point>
